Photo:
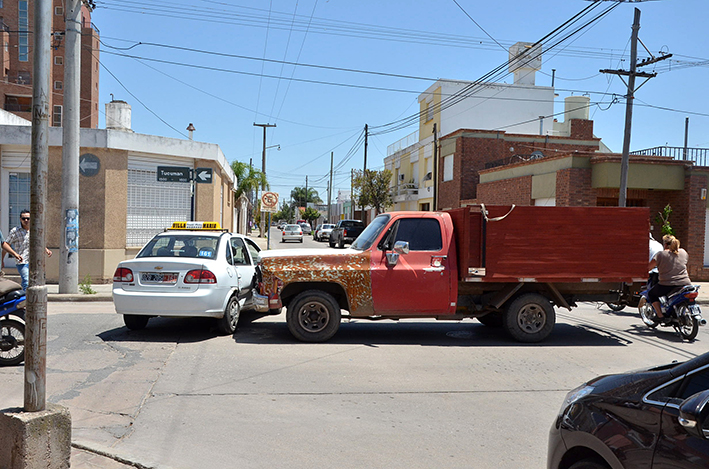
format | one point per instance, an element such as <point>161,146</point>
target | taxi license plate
<point>158,277</point>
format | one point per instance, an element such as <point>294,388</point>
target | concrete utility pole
<point>263,166</point>
<point>36,316</point>
<point>329,190</point>
<point>625,161</point>
<point>69,241</point>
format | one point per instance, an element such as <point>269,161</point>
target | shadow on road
<point>183,330</point>
<point>410,332</point>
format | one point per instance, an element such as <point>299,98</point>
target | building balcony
<point>403,143</point>
<point>404,192</point>
<point>700,156</point>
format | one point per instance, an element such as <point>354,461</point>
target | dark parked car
<point>345,232</point>
<point>654,418</point>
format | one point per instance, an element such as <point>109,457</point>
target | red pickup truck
<point>503,265</point>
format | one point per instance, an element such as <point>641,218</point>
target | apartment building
<point>16,57</point>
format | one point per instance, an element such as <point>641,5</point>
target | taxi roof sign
<point>196,225</point>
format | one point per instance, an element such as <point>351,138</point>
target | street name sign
<point>173,174</point>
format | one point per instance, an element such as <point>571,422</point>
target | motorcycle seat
<point>7,286</point>
<point>681,291</point>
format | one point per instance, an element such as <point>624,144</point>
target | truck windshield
<point>371,233</point>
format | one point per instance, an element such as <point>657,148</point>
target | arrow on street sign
<point>89,165</point>
<point>203,175</point>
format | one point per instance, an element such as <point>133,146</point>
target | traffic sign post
<point>269,204</point>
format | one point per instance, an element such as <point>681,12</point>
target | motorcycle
<point>680,307</point>
<point>12,323</point>
<point>628,296</point>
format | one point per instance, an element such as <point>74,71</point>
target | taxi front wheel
<point>135,322</point>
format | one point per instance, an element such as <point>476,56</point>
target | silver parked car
<point>194,269</point>
<point>323,232</point>
<point>292,233</point>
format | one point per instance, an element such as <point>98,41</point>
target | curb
<point>79,297</point>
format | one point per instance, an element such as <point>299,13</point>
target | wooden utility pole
<point>364,171</point>
<point>263,167</point>
<point>435,169</point>
<point>329,190</point>
<point>632,74</point>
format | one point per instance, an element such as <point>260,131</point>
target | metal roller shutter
<point>152,205</point>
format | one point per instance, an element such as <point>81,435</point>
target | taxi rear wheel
<point>313,316</point>
<point>135,322</point>
<point>227,323</point>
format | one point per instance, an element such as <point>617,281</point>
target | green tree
<point>287,213</point>
<point>372,188</point>
<point>309,215</point>
<point>663,218</point>
<point>300,197</point>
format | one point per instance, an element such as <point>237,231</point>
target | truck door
<point>420,281</point>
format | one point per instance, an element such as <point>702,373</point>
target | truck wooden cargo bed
<point>551,244</point>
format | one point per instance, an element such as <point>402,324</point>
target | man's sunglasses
<point>25,218</point>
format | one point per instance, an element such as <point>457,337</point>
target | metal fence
<point>700,156</point>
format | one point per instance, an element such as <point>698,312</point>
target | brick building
<point>495,167</point>
<point>16,57</point>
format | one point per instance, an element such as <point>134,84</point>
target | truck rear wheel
<point>313,316</point>
<point>530,318</point>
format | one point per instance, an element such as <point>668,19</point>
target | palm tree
<point>249,179</point>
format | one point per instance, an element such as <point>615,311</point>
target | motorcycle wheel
<point>647,314</point>
<point>688,325</point>
<point>616,306</point>
<point>12,342</point>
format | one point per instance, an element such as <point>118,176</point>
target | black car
<point>654,418</point>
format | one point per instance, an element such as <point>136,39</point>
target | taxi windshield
<point>181,245</point>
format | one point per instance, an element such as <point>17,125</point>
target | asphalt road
<point>413,394</point>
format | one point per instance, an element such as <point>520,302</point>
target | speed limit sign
<point>269,202</point>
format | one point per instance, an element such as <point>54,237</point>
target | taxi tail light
<point>200,276</point>
<point>123,274</point>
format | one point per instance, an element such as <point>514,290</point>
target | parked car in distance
<point>345,232</point>
<point>194,269</point>
<point>307,229</point>
<point>292,233</point>
<point>652,418</point>
<point>323,231</point>
<point>281,224</point>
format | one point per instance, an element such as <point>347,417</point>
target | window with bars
<point>23,28</point>
<point>153,206</point>
<point>57,116</point>
<point>18,196</point>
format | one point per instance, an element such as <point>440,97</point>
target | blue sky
<point>186,70</point>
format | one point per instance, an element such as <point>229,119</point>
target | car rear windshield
<point>292,228</point>
<point>352,223</point>
<point>181,245</point>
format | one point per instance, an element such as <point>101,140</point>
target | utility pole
<point>329,190</point>
<point>36,316</point>
<point>306,193</point>
<point>263,167</point>
<point>352,193</point>
<point>625,161</point>
<point>69,239</point>
<point>435,168</point>
<point>686,138</point>
<point>364,172</point>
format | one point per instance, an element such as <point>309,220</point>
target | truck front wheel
<point>313,316</point>
<point>530,318</point>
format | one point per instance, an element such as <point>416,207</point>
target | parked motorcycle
<point>12,323</point>
<point>680,307</point>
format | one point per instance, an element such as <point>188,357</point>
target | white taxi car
<point>194,269</point>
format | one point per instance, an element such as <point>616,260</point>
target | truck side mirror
<point>400,247</point>
<point>693,414</point>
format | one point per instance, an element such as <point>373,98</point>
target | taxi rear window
<point>181,245</point>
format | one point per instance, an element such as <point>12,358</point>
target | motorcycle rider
<point>671,264</point>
